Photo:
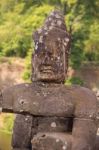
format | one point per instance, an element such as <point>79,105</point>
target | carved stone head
<point>52,44</point>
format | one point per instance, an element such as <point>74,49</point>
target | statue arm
<point>11,100</point>
<point>23,131</point>
<point>6,100</point>
<point>84,133</point>
<point>21,99</point>
<point>85,124</point>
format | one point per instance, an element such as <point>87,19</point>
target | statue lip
<point>47,69</point>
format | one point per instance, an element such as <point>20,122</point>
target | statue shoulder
<point>84,94</point>
<point>16,88</point>
<point>16,91</point>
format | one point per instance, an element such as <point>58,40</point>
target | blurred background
<point>19,19</point>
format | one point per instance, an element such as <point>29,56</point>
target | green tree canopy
<point>18,19</point>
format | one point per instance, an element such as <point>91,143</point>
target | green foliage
<point>83,17</point>
<point>92,44</point>
<point>27,72</point>
<point>18,23</point>
<point>18,19</point>
<point>8,121</point>
<point>74,80</point>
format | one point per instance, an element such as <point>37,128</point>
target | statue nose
<point>47,58</point>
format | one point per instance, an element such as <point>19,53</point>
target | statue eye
<point>42,54</point>
<point>58,57</point>
<point>52,58</point>
<point>39,47</point>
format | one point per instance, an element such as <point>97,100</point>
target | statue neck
<point>47,84</point>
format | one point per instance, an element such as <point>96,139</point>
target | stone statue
<point>53,116</point>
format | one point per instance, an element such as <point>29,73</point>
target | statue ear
<point>33,76</point>
<point>33,35</point>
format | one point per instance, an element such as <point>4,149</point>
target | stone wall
<point>11,72</point>
<point>89,73</point>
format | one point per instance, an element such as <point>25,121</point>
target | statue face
<point>50,58</point>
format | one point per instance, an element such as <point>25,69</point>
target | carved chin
<point>51,77</point>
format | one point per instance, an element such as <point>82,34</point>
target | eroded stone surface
<point>49,141</point>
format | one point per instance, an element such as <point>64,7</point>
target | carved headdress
<point>54,28</point>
